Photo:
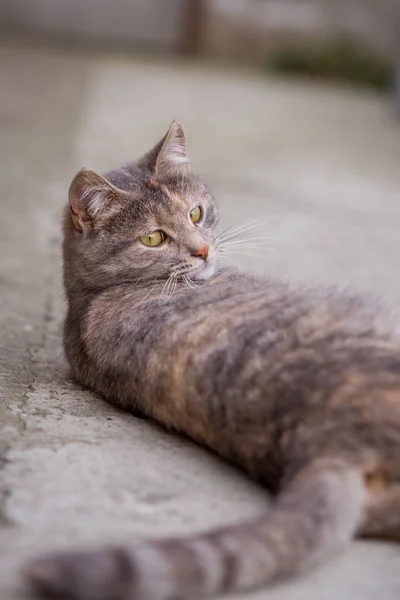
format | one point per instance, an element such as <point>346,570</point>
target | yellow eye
<point>195,214</point>
<point>153,239</point>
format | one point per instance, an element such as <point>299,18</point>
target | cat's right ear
<point>169,156</point>
<point>91,197</point>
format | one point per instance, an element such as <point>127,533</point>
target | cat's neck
<point>147,291</point>
<point>164,289</point>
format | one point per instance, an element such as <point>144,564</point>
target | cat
<point>298,386</point>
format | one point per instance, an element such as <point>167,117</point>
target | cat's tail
<point>316,514</point>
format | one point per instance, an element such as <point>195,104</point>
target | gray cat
<point>299,387</point>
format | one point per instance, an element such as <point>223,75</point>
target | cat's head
<point>145,221</point>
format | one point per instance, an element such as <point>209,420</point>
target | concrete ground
<point>322,161</point>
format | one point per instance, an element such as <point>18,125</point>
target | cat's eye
<point>195,214</point>
<point>153,239</point>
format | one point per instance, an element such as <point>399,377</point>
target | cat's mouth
<point>206,271</point>
<point>195,270</point>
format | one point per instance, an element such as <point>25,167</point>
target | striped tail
<point>316,515</point>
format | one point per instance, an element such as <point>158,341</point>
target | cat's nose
<point>201,252</point>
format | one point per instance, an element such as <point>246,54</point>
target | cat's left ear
<point>172,156</point>
<point>91,198</point>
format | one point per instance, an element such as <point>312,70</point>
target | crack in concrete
<point>47,317</point>
<point>31,385</point>
<point>48,304</point>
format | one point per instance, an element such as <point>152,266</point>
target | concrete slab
<point>322,161</point>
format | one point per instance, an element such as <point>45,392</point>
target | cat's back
<point>236,322</point>
<point>241,303</point>
<point>246,304</point>
<point>243,352</point>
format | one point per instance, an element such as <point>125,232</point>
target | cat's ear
<point>172,156</point>
<point>91,196</point>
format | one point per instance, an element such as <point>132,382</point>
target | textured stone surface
<point>322,162</point>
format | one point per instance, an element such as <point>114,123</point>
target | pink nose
<point>202,252</point>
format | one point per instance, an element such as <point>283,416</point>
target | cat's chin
<point>204,273</point>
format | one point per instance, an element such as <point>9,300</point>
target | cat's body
<point>299,387</point>
<point>261,372</point>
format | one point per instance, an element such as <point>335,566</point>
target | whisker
<point>248,254</point>
<point>250,246</point>
<point>240,234</point>
<point>235,227</point>
<point>148,293</point>
<point>173,287</point>
<point>245,227</point>
<point>262,246</point>
<point>170,285</point>
<point>192,282</point>
<point>166,286</point>
<point>179,268</point>
<point>189,282</point>
<point>252,239</point>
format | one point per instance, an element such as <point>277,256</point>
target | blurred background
<point>290,108</point>
<point>292,112</point>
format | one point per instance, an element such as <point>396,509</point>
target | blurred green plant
<point>343,58</point>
